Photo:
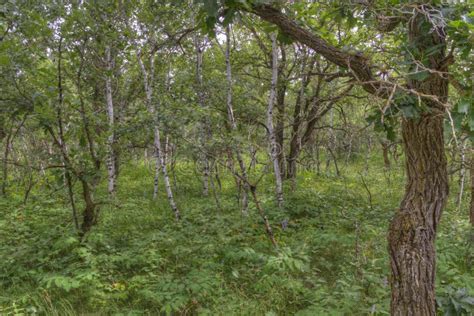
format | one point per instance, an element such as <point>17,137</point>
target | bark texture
<point>412,231</point>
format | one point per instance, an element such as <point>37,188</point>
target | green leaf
<point>463,105</point>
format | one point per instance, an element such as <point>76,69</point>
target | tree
<point>424,96</point>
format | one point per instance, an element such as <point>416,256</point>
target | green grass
<point>138,260</point>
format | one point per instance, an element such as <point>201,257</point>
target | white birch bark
<point>270,129</point>
<point>204,132</point>
<point>148,79</point>
<point>110,116</point>
<point>233,124</point>
<point>462,173</point>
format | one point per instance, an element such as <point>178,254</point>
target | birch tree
<point>272,140</point>
<point>148,83</point>
<point>111,172</point>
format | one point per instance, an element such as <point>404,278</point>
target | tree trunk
<point>160,156</point>
<point>233,124</point>
<point>148,82</point>
<point>271,131</point>
<point>412,232</point>
<point>204,128</point>
<point>386,159</point>
<point>413,229</point>
<point>110,115</point>
<point>280,105</point>
<point>471,170</point>
<point>462,174</point>
<point>6,153</point>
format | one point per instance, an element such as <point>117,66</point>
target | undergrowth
<point>138,260</point>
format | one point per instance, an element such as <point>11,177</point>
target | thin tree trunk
<point>204,128</point>
<point>233,124</point>
<point>271,131</point>
<point>471,171</point>
<point>166,179</point>
<point>156,179</point>
<point>111,121</point>
<point>280,105</point>
<point>61,140</point>
<point>6,153</point>
<point>148,80</point>
<point>462,174</point>
<point>386,159</point>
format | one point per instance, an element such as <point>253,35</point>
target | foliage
<point>138,260</point>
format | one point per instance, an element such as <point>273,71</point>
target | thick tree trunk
<point>413,229</point>
<point>271,131</point>
<point>110,115</point>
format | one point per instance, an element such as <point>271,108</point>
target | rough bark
<point>358,64</point>
<point>412,231</point>
<point>271,131</point>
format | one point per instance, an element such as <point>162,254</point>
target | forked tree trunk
<point>271,131</point>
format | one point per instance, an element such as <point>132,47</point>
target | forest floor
<point>332,257</point>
